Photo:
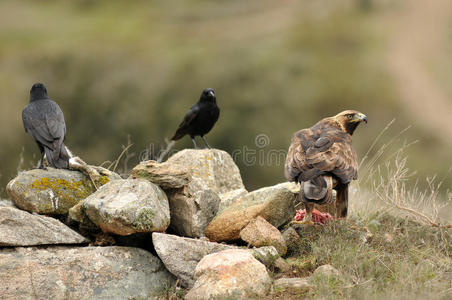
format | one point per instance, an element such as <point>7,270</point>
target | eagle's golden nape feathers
<point>322,158</point>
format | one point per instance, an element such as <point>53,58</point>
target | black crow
<point>44,121</point>
<point>200,118</point>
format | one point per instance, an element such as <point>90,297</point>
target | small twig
<point>116,162</point>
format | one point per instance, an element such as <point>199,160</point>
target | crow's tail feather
<point>58,158</point>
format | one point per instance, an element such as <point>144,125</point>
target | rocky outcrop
<point>275,204</point>
<point>194,181</point>
<point>81,273</point>
<point>20,228</point>
<point>259,233</point>
<point>128,206</point>
<point>166,175</point>
<point>51,191</point>
<point>232,274</point>
<point>181,255</point>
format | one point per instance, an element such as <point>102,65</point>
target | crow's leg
<point>205,142</point>
<point>194,142</point>
<point>41,161</point>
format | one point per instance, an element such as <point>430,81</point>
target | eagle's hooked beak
<point>360,118</point>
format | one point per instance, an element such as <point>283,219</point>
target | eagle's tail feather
<point>318,190</point>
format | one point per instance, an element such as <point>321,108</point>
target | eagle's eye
<point>349,117</point>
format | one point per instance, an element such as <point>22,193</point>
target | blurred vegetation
<point>120,68</point>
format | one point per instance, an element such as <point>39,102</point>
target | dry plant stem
<point>415,212</point>
<point>169,146</point>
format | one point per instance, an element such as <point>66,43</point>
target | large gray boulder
<point>81,273</point>
<point>230,274</point>
<point>51,191</point>
<point>181,255</point>
<point>194,181</point>
<point>128,206</point>
<point>214,168</point>
<point>275,204</point>
<point>20,228</point>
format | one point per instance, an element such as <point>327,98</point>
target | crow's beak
<point>211,93</point>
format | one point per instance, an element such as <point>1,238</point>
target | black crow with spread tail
<point>200,118</point>
<point>322,158</point>
<point>44,121</point>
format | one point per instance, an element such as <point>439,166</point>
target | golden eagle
<point>322,158</point>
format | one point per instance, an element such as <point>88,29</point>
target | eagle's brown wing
<point>320,150</point>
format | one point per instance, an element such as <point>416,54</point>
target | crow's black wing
<point>44,121</point>
<point>187,123</point>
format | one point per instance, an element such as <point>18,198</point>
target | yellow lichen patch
<point>71,190</point>
<point>103,180</point>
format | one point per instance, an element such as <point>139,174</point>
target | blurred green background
<point>129,70</point>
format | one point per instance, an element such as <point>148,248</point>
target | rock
<point>215,168</point>
<point>259,233</point>
<point>181,255</point>
<point>294,187</point>
<point>327,271</point>
<point>6,203</point>
<point>293,285</point>
<point>192,208</point>
<point>292,238</point>
<point>81,273</point>
<point>51,191</point>
<point>281,265</point>
<point>77,214</point>
<point>166,175</point>
<point>233,274</point>
<point>275,204</point>
<point>229,198</point>
<point>266,255</point>
<point>128,206</point>
<point>212,173</point>
<point>20,228</point>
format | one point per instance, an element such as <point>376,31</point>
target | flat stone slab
<point>20,228</point>
<point>81,273</point>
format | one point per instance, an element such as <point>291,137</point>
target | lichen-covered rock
<point>51,191</point>
<point>128,206</point>
<point>181,255</point>
<point>266,255</point>
<point>212,173</point>
<point>232,274</point>
<point>275,204</point>
<point>292,238</point>
<point>166,175</point>
<point>81,273</point>
<point>259,233</point>
<point>20,228</point>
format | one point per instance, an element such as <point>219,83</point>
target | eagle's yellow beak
<point>359,117</point>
